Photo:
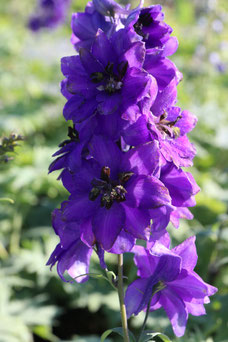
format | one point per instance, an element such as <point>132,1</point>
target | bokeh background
<point>35,305</point>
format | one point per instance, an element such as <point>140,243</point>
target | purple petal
<point>89,62</point>
<point>188,287</point>
<point>146,192</point>
<point>187,251</point>
<point>136,86</point>
<point>179,151</point>
<point>109,126</point>
<point>134,296</point>
<point>67,231</point>
<point>137,133</point>
<point>137,222</point>
<point>181,185</point>
<point>107,224</point>
<point>72,66</point>
<point>161,68</point>
<point>143,160</point>
<point>100,253</point>
<point>211,290</point>
<point>144,262</point>
<point>187,122</point>
<point>179,213</point>
<point>195,309</point>
<point>79,208</point>
<point>165,98</point>
<point>135,55</point>
<point>176,311</point>
<point>168,265</point>
<point>170,47</point>
<point>78,109</point>
<point>75,261</point>
<point>122,41</point>
<point>87,235</point>
<point>123,244</point>
<point>161,218</point>
<point>162,238</point>
<point>106,153</point>
<point>103,50</point>
<point>108,104</point>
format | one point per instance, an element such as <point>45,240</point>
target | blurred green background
<point>35,305</point>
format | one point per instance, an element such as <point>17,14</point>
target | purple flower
<point>69,154</point>
<point>115,191</point>
<point>148,23</point>
<point>71,254</point>
<point>85,27</point>
<point>169,274</point>
<point>49,13</point>
<point>109,79</point>
<point>167,124</point>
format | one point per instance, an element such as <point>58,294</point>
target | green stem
<point>121,298</point>
<point>145,319</point>
<point>158,287</point>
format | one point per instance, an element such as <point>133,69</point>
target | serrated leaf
<point>118,331</point>
<point>149,335</point>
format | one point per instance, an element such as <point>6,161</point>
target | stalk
<point>145,319</point>
<point>160,286</point>
<point>121,298</point>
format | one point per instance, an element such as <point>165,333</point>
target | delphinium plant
<point>123,161</point>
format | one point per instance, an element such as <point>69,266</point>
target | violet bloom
<point>149,24</point>
<point>86,24</point>
<point>167,124</point>
<point>170,275</point>
<point>115,191</point>
<point>49,13</point>
<point>71,254</point>
<point>109,79</point>
<point>69,154</point>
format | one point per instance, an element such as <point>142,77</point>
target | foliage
<point>34,304</point>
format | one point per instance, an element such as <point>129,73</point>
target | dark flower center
<point>159,287</point>
<point>110,190</point>
<point>72,134</point>
<point>110,80</point>
<point>168,127</point>
<point>144,20</point>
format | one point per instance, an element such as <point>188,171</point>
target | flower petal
<point>143,160</point>
<point>176,311</point>
<point>146,192</point>
<point>137,222</point>
<point>76,261</point>
<point>134,296</point>
<point>187,251</point>
<point>123,244</point>
<point>107,224</point>
<point>78,108</point>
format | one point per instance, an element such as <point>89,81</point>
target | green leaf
<point>118,331</point>
<point>149,335</point>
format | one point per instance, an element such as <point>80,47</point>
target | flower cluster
<point>123,160</point>
<point>49,13</point>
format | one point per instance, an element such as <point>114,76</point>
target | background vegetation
<point>35,305</point>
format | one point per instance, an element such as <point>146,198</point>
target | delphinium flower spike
<point>123,160</point>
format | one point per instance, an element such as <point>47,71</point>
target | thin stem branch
<point>145,319</point>
<point>121,298</point>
